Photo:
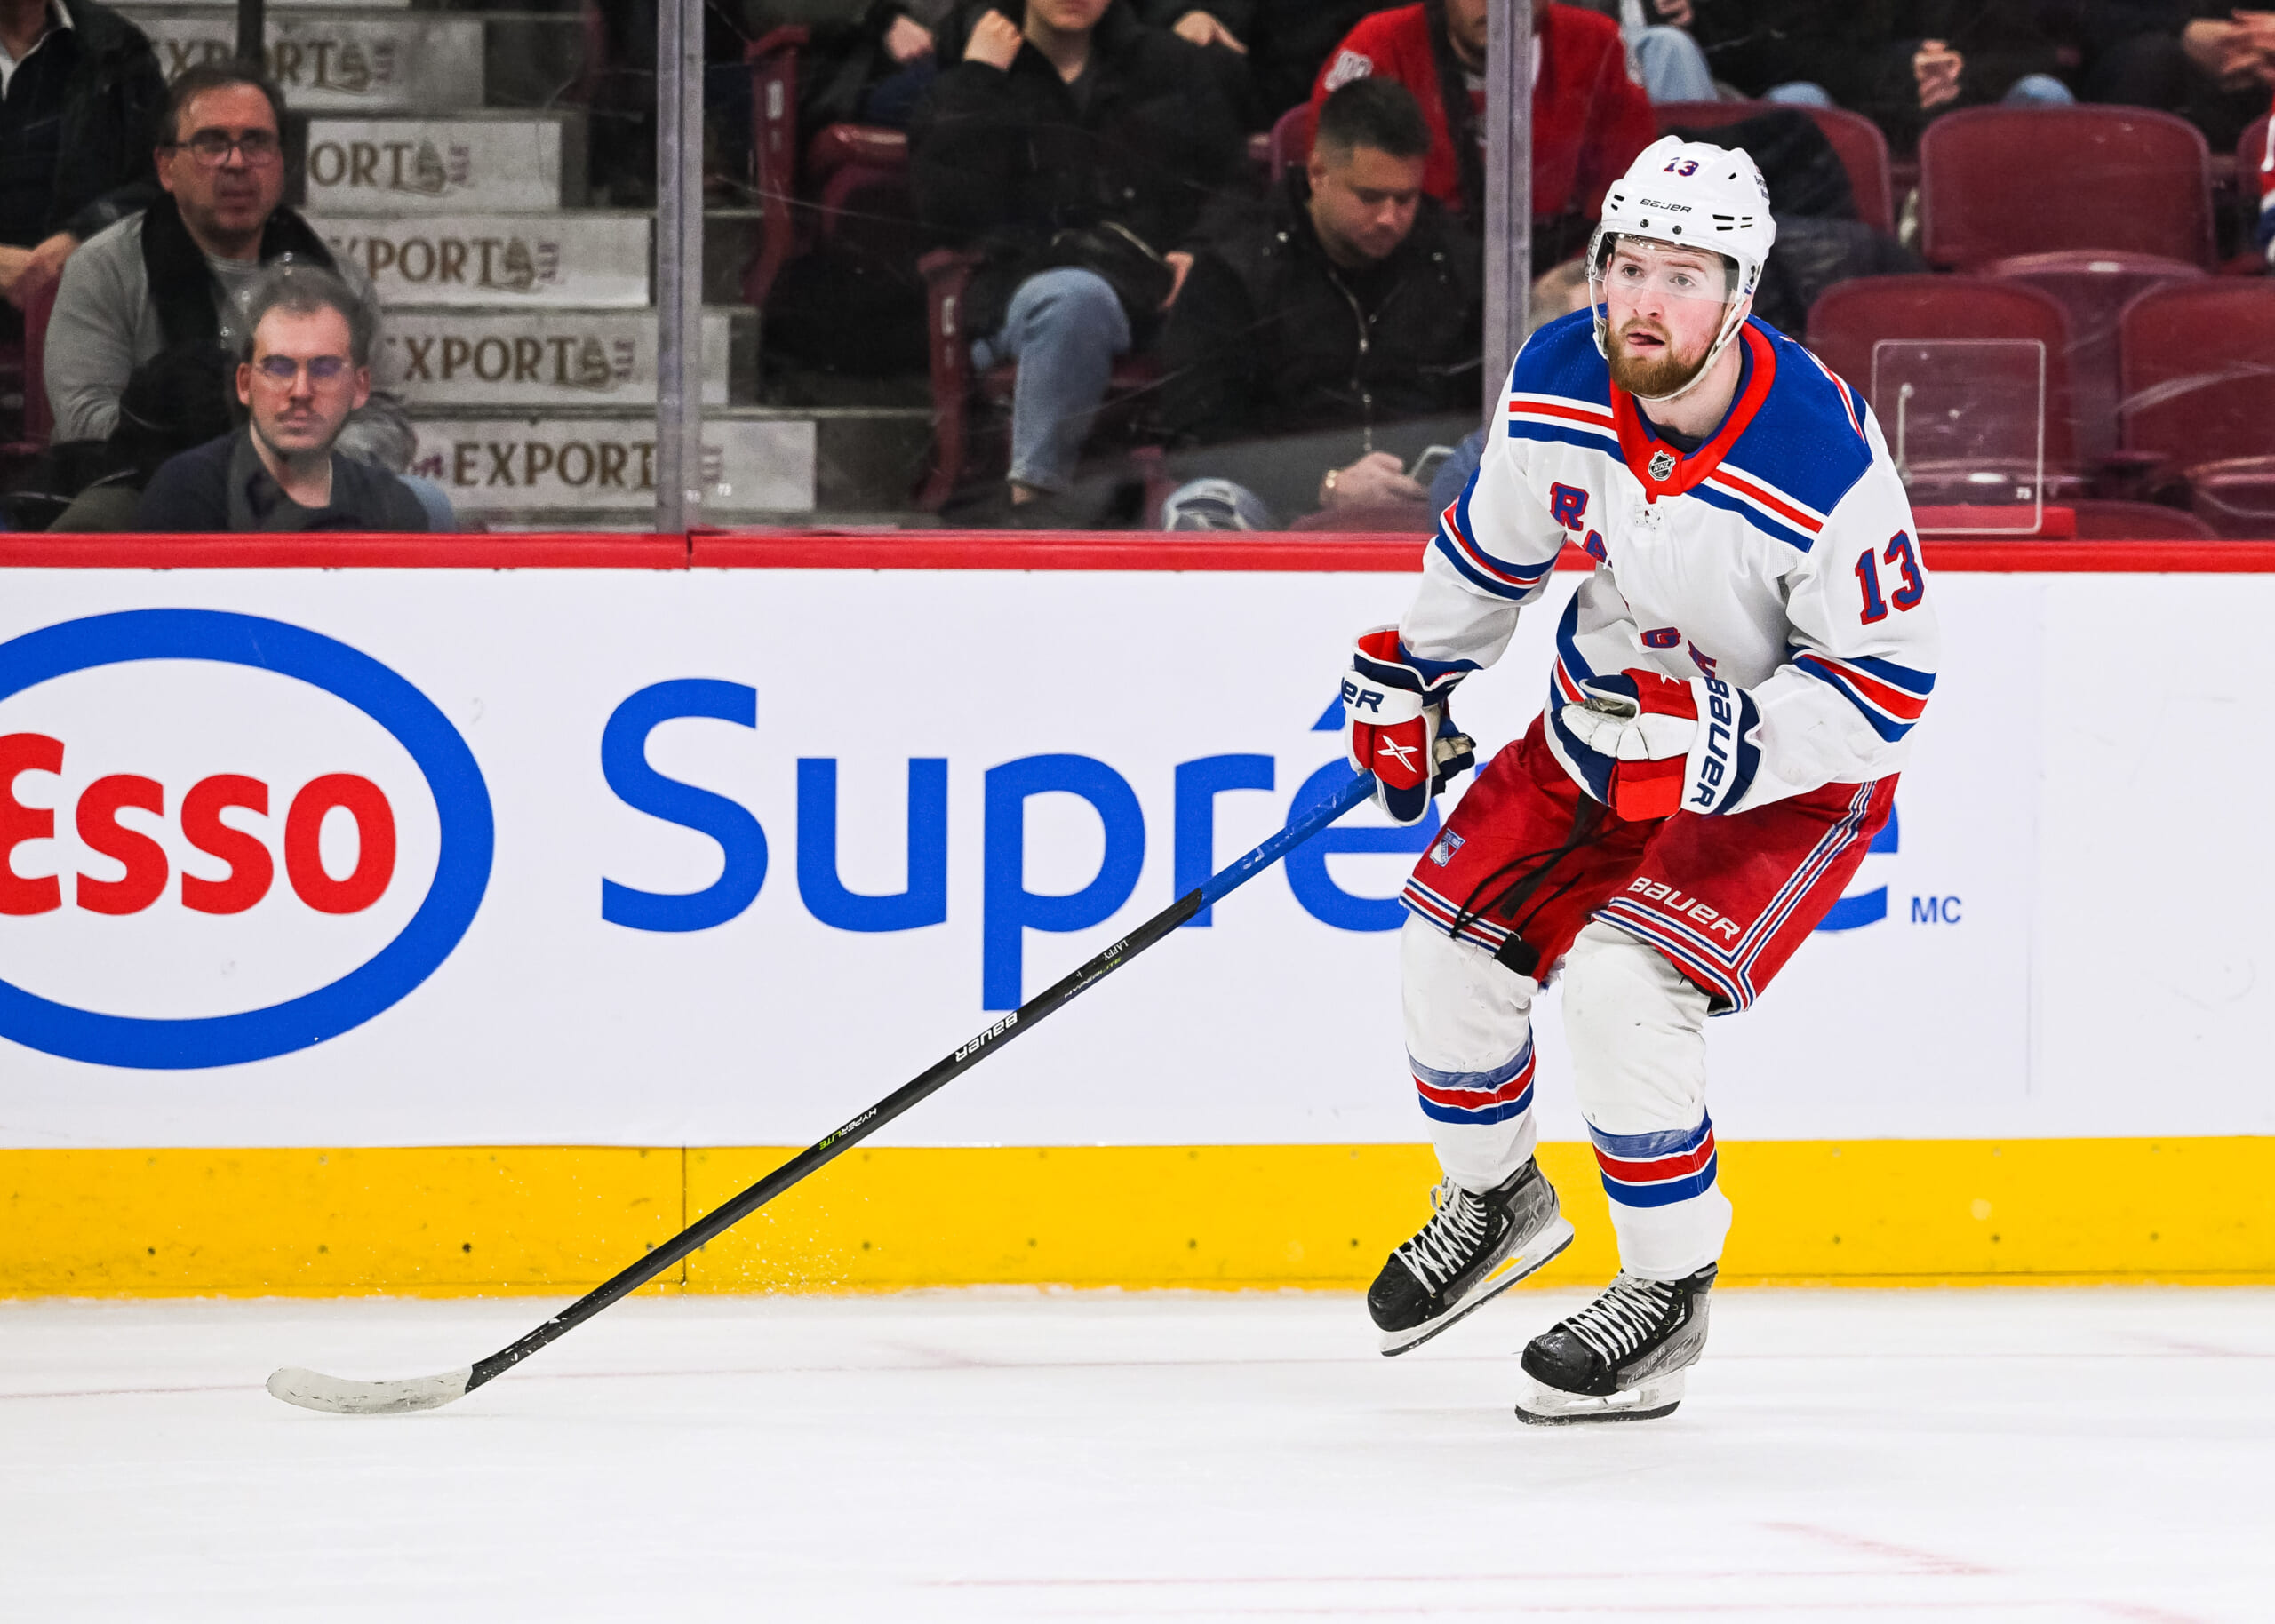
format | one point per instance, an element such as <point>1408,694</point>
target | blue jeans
<point>1673,67</point>
<point>2029,90</point>
<point>1065,327</point>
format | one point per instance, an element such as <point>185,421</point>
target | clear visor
<point>1632,269</point>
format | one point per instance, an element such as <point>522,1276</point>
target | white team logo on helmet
<point>1689,194</point>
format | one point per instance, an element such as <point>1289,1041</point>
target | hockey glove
<point>1649,746</point>
<point>1396,725</point>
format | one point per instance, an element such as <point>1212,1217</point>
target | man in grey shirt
<point>168,278</point>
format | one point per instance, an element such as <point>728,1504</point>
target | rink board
<point>2044,992</point>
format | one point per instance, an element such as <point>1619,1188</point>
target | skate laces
<point>1623,1320</point>
<point>1447,1243</point>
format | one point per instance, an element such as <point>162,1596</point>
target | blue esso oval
<point>461,869</point>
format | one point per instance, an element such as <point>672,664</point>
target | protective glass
<point>283,369</point>
<point>1632,268</point>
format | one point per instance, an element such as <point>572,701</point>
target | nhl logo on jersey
<point>1662,464</point>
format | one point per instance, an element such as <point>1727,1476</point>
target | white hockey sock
<point>1638,1031</point>
<point>1469,1041</point>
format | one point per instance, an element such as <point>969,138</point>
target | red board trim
<point>1317,552</point>
<point>28,551</point>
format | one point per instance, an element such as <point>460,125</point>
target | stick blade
<point>312,1390</point>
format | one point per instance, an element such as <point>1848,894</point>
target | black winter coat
<point>1001,160</point>
<point>1288,41</point>
<point>111,111</point>
<point>1268,338</point>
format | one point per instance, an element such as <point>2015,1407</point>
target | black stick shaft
<point>937,1076</point>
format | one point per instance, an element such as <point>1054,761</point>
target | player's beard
<point>1654,379</point>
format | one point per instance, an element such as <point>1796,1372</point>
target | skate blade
<point>1549,1407</point>
<point>1490,1284</point>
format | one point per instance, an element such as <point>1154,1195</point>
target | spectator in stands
<point>2207,60</point>
<point>1275,47</point>
<point>1073,153</point>
<point>1350,301</point>
<point>1589,115</point>
<point>79,95</point>
<point>869,69</point>
<point>304,365</point>
<point>1667,59</point>
<point>159,282</point>
<point>1920,59</point>
<point>1803,50</point>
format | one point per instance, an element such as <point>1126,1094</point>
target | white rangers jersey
<point>1779,557</point>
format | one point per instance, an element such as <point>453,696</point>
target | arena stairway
<point>446,153</point>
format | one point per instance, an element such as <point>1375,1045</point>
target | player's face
<point>1665,307</point>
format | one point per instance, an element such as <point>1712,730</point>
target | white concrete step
<point>506,358</point>
<point>592,256</point>
<point>754,462</point>
<point>337,60</point>
<point>475,162</point>
<point>587,256</point>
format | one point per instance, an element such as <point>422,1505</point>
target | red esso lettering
<point>250,868</point>
<point>374,844</point>
<point>252,871</point>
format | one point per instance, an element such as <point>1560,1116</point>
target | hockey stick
<point>313,1390</point>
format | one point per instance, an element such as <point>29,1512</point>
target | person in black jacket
<point>1350,302</point>
<point>1276,46</point>
<point>1073,152</point>
<point>304,365</point>
<point>79,96</point>
<point>2208,60</point>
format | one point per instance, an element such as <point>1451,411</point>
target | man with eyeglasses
<point>303,367</point>
<point>157,289</point>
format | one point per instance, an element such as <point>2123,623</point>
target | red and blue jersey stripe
<point>1503,577</point>
<point>1477,1098</point>
<point>1655,1169</point>
<point>1892,697</point>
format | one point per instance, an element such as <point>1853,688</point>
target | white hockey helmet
<point>1689,194</point>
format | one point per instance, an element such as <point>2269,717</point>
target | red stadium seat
<point>773,63</point>
<point>1850,317</point>
<point>852,187</point>
<point>2196,366</point>
<point>2000,182</point>
<point>1856,141</point>
<point>2236,497</point>
<point>1290,143</point>
<point>2093,287</point>
<point>2137,521</point>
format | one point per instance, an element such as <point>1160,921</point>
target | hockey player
<point>1729,709</point>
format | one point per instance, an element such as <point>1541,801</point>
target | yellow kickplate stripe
<point>460,1220</point>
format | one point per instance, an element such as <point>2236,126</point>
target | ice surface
<point>1970,1455</point>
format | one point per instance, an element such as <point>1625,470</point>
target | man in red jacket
<point>1590,116</point>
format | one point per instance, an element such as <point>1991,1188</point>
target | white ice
<point>1963,1455</point>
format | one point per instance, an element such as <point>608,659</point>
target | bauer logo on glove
<point>1649,746</point>
<point>1397,726</point>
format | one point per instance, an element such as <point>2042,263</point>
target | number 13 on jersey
<point>1868,576</point>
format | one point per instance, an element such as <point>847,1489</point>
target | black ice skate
<point>1622,1357</point>
<point>1474,1247</point>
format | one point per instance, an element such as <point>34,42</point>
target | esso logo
<point>252,867</point>
<point>222,838</point>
